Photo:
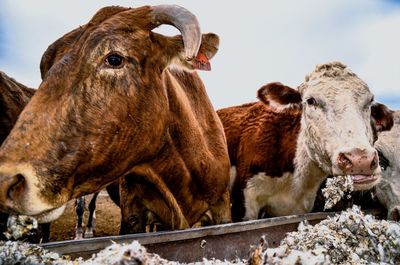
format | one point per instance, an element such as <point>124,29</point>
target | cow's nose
<point>357,162</point>
<point>11,188</point>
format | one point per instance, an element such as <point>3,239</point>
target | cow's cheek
<point>319,136</point>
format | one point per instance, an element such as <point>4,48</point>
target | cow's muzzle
<point>362,165</point>
<point>20,191</point>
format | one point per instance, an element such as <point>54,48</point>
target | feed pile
<point>347,238</point>
<point>20,227</point>
<point>17,252</point>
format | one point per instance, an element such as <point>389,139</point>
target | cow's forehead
<point>334,80</point>
<point>336,88</point>
<point>113,36</point>
<point>131,24</point>
<point>101,42</point>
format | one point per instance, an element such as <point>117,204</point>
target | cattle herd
<point>123,107</point>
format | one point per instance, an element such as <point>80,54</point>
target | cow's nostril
<point>17,187</point>
<point>358,162</point>
<point>344,162</point>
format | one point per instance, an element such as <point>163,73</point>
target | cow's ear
<point>279,96</point>
<point>57,50</point>
<point>175,52</point>
<point>381,117</point>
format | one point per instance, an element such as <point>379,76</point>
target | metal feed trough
<point>227,241</point>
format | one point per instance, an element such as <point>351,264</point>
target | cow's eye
<point>311,102</point>
<point>114,60</point>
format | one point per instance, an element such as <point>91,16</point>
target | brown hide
<point>144,194</point>
<point>259,140</point>
<point>99,123</point>
<point>60,47</point>
<point>13,98</point>
<point>136,203</point>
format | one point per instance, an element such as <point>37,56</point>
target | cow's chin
<point>50,215</point>
<point>365,182</point>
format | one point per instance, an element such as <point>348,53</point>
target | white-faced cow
<point>111,107</point>
<point>386,194</point>
<point>282,147</point>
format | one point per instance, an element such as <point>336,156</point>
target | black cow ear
<point>279,96</point>
<point>381,117</point>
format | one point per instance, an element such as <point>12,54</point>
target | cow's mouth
<point>50,215</point>
<point>364,179</point>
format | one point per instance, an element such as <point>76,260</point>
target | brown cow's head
<point>339,121</point>
<point>102,106</point>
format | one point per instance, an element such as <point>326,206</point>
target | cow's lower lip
<point>49,215</point>
<point>363,179</point>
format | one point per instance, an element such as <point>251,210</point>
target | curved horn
<point>183,20</point>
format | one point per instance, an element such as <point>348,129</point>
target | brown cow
<point>111,107</point>
<point>13,98</point>
<point>282,147</point>
<point>136,216</point>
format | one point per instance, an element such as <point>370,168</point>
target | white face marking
<point>336,116</point>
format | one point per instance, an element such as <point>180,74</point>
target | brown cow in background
<point>111,107</point>
<point>13,98</point>
<point>284,146</point>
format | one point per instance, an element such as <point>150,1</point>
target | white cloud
<point>261,41</point>
<point>381,63</point>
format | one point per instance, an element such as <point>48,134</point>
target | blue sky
<point>261,41</point>
<point>2,34</point>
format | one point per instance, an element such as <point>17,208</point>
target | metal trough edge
<point>225,241</point>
